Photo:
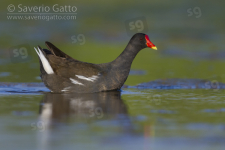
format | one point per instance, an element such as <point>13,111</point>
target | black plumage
<point>73,76</point>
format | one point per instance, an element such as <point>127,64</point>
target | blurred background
<point>189,36</point>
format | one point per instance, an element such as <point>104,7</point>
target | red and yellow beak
<point>149,43</point>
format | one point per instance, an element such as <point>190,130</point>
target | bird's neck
<point>125,59</point>
<point>120,67</point>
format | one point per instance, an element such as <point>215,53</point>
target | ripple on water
<point>23,88</point>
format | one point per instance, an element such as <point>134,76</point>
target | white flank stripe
<point>92,78</point>
<point>65,89</point>
<point>75,81</point>
<point>44,61</point>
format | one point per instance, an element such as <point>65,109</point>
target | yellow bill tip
<point>155,48</point>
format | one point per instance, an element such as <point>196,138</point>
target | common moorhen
<point>63,74</point>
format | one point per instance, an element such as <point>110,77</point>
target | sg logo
<point>136,25</point>
<point>197,11</point>
<point>20,53</point>
<point>79,38</point>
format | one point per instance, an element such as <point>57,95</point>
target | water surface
<point>172,99</point>
<point>128,119</point>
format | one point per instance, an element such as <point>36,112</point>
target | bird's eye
<point>141,39</point>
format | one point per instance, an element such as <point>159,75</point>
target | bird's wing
<point>69,68</point>
<point>55,51</point>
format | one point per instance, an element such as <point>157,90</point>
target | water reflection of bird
<point>82,107</point>
<point>63,74</point>
<point>70,110</point>
<point>63,113</point>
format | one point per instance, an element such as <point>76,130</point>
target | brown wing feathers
<point>55,51</point>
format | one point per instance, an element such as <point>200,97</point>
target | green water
<point>146,119</point>
<point>190,45</point>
